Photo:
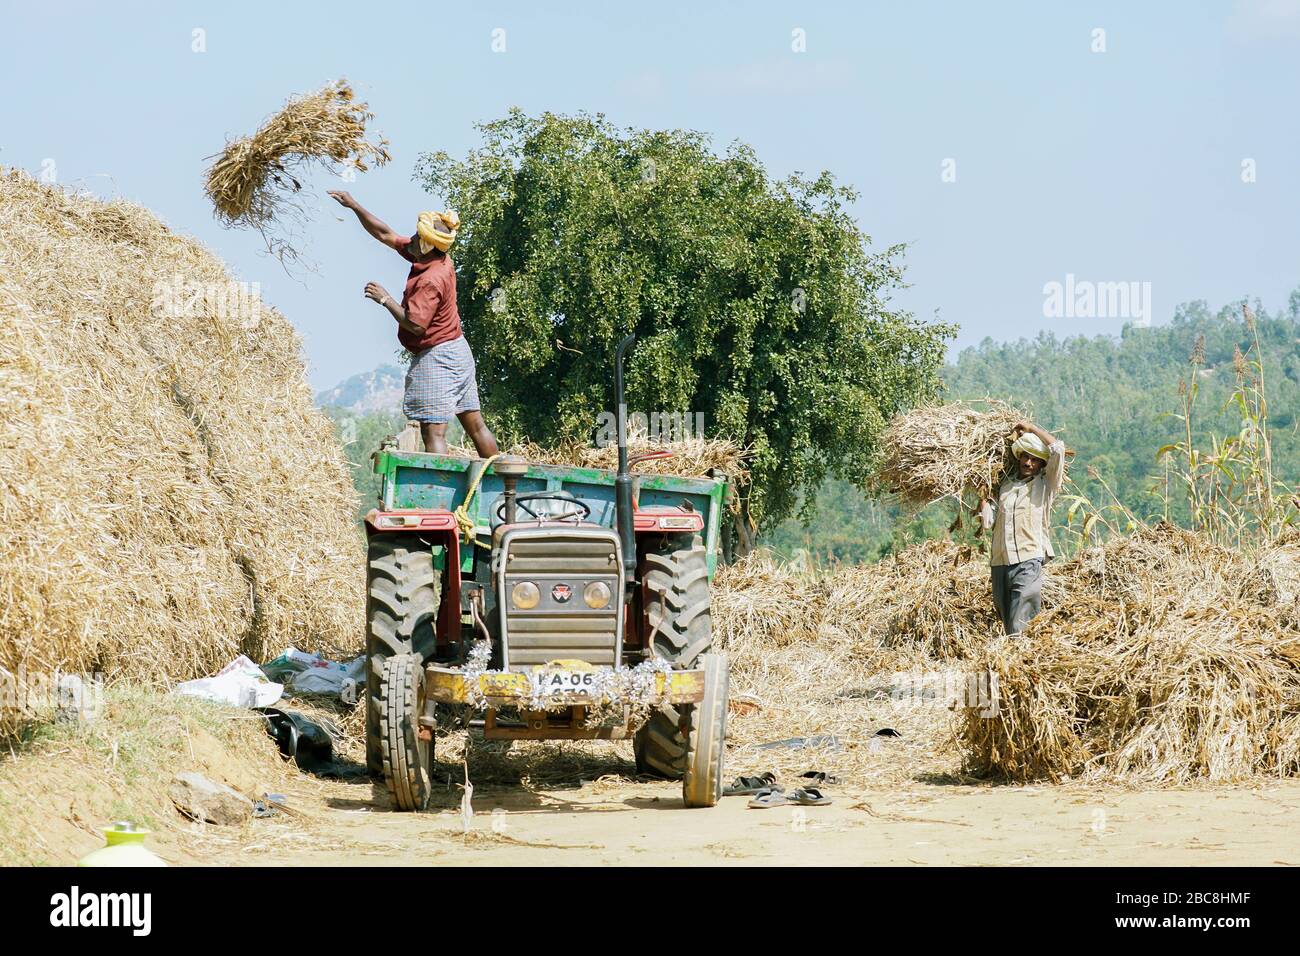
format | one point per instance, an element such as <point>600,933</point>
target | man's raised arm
<point>369,221</point>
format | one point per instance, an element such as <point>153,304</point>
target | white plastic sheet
<point>240,683</point>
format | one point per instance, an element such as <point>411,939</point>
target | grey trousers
<point>1017,593</point>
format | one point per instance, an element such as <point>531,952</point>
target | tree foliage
<point>758,303</point>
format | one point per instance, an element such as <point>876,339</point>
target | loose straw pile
<point>1170,661</point>
<point>691,457</point>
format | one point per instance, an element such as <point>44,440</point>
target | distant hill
<point>379,390</point>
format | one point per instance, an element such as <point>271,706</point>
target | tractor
<point>535,598</point>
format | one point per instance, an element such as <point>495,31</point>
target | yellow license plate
<point>562,683</point>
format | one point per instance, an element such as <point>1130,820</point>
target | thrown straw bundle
<point>253,180</point>
<point>169,495</point>
<point>942,451</point>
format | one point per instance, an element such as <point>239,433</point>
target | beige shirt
<point>1023,513</point>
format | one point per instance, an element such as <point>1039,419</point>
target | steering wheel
<point>521,502</point>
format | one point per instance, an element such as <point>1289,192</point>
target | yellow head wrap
<point>1030,444</point>
<point>437,230</point>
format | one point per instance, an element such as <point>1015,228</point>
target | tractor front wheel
<point>706,736</point>
<point>407,753</point>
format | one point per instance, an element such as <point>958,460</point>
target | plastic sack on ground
<point>305,673</point>
<point>240,683</point>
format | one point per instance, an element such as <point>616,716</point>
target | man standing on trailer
<point>440,382</point>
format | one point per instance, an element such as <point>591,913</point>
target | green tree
<point>757,303</point>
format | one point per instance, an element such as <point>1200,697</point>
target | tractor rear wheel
<point>407,754</point>
<point>681,630</point>
<point>403,593</point>
<point>706,736</point>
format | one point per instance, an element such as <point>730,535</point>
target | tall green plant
<point>1227,481</point>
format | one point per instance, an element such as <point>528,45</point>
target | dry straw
<point>169,496</point>
<point>814,657</point>
<point>254,180</point>
<point>943,451</point>
<point>1172,661</point>
<point>690,457</point>
<point>1158,659</point>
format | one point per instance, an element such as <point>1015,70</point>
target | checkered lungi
<point>440,383</point>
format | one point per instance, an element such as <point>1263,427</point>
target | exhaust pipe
<point>623,479</point>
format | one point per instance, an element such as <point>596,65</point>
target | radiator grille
<point>558,629</point>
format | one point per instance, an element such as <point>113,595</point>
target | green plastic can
<point>123,846</point>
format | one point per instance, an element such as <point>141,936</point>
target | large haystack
<point>1171,660</point>
<point>169,496</point>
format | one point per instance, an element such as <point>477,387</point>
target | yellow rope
<point>463,520</point>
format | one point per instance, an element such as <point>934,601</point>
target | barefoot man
<point>1020,521</point>
<point>440,382</point>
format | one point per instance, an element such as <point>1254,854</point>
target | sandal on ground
<point>744,786</point>
<point>769,797</point>
<point>818,777</point>
<point>809,797</point>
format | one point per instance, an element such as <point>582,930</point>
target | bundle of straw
<point>253,180</point>
<point>169,494</point>
<point>943,451</point>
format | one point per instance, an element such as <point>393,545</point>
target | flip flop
<point>744,786</point>
<point>819,777</point>
<point>770,797</point>
<point>809,797</point>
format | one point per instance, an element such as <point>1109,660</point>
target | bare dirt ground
<point>620,822</point>
<point>905,801</point>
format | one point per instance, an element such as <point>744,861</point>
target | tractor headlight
<point>596,594</point>
<point>525,595</point>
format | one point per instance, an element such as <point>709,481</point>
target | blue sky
<point>1122,165</point>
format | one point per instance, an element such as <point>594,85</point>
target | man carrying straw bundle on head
<point>440,382</point>
<point>1020,521</point>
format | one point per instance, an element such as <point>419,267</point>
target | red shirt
<point>429,300</point>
